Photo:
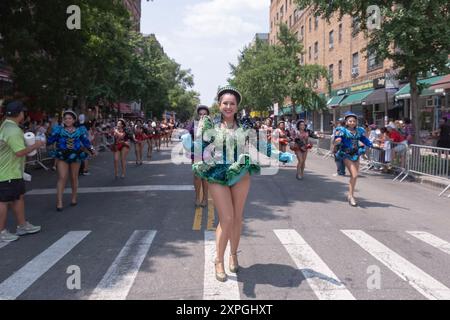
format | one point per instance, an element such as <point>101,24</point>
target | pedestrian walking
<point>12,162</point>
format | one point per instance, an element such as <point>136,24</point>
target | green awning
<point>335,101</point>
<point>285,110</point>
<point>405,92</point>
<point>355,98</point>
<point>299,109</point>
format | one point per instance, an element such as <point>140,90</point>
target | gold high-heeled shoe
<point>234,267</point>
<point>220,275</point>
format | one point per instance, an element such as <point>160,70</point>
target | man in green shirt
<point>12,161</point>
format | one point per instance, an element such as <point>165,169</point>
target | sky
<point>205,36</point>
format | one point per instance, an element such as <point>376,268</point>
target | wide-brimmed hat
<point>231,90</point>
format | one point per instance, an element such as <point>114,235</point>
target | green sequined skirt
<point>225,174</point>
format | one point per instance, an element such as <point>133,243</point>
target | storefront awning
<point>405,92</point>
<point>378,96</point>
<point>334,102</point>
<point>355,98</point>
<point>441,85</point>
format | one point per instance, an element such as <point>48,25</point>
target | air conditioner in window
<point>355,71</point>
<point>331,46</point>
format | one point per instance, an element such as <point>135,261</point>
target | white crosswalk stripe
<point>321,279</point>
<point>213,289</point>
<point>16,284</point>
<point>418,279</point>
<point>3,244</point>
<point>120,276</point>
<point>432,240</point>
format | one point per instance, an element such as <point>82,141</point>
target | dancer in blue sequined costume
<point>351,143</point>
<point>72,147</point>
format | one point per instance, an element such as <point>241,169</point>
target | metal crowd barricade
<point>325,144</point>
<point>429,161</point>
<point>39,158</point>
<point>376,158</point>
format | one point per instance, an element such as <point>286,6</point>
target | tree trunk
<point>415,106</point>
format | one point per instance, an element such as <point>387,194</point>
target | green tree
<point>267,74</point>
<point>259,76</point>
<point>49,60</point>
<point>300,79</point>
<point>414,34</point>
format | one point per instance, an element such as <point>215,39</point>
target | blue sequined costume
<point>352,144</point>
<point>222,166</point>
<point>70,147</point>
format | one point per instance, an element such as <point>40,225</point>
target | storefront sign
<point>363,86</point>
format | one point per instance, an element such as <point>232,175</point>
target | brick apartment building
<point>358,78</point>
<point>134,7</point>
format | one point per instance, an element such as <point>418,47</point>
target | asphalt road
<point>141,238</point>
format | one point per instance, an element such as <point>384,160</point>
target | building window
<point>302,32</point>
<point>340,69</point>
<point>316,22</point>
<point>286,4</point>
<point>355,64</point>
<point>278,16</point>
<point>373,61</point>
<point>331,39</point>
<point>340,32</point>
<point>309,55</point>
<point>282,11</point>
<point>355,26</point>
<point>330,73</point>
<point>316,50</point>
<point>310,25</point>
<point>290,21</point>
<point>302,59</point>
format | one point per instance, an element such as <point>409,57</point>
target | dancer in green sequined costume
<point>226,163</point>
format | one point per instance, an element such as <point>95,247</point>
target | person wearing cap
<point>228,175</point>
<point>121,147</point>
<point>280,136</point>
<point>72,147</point>
<point>398,143</point>
<point>227,165</point>
<point>300,145</point>
<point>200,185</point>
<point>12,163</point>
<point>350,141</point>
<point>340,166</point>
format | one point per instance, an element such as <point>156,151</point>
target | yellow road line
<point>198,214</point>
<point>210,225</point>
<point>197,219</point>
